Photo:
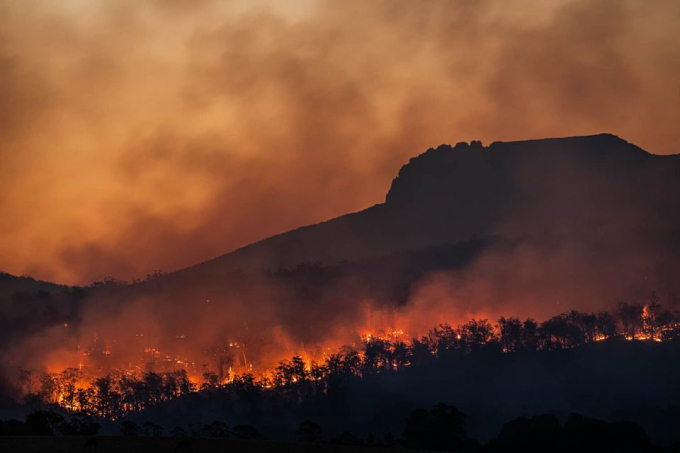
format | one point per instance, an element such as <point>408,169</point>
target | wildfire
<point>93,374</point>
<point>390,335</point>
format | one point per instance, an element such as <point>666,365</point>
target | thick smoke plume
<point>155,134</point>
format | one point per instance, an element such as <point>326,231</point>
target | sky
<point>155,134</point>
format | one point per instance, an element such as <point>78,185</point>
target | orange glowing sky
<point>158,133</point>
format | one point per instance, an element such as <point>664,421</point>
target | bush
<point>129,428</point>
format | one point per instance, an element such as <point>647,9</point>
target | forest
<point>300,393</point>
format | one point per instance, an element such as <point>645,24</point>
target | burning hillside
<point>527,229</point>
<point>100,382</point>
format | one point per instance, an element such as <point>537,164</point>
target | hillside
<point>531,228</point>
<point>609,380</point>
<point>596,210</point>
<point>571,188</point>
<point>11,284</point>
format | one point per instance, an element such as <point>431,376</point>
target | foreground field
<point>72,444</point>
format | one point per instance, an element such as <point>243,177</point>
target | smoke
<point>158,134</point>
<point>534,281</point>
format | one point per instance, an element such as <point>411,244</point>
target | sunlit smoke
<point>157,134</point>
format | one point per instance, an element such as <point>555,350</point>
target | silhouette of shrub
<point>247,432</point>
<point>591,435</point>
<point>43,423</point>
<point>179,432</point>
<point>152,430</point>
<point>129,428</point>
<point>533,435</point>
<point>215,429</point>
<point>309,431</point>
<point>80,424</point>
<point>347,438</point>
<point>13,427</point>
<point>442,428</point>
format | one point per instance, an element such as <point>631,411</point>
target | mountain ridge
<point>432,172</point>
<point>527,230</point>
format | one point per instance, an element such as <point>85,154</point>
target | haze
<point>155,134</point>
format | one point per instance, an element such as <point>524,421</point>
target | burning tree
<point>631,318</point>
<point>510,332</point>
<point>118,392</point>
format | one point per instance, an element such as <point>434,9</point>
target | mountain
<point>531,228</point>
<point>596,193</point>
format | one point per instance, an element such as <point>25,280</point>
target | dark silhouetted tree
<point>347,438</point>
<point>476,333</point>
<point>179,432</point>
<point>13,427</point>
<point>442,428</point>
<point>247,432</point>
<point>215,429</point>
<point>81,424</point>
<point>530,334</point>
<point>630,316</point>
<point>587,435</point>
<point>652,315</point>
<point>510,334</point>
<point>129,428</point>
<point>44,423</point>
<point>605,325</point>
<point>309,431</point>
<point>529,435</point>
<point>151,429</point>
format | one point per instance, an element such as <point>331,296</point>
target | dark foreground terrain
<point>67,444</point>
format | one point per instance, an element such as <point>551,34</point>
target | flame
<point>77,372</point>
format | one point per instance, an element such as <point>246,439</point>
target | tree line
<point>441,428</point>
<point>115,395</point>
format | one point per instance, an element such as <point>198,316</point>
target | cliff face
<point>472,169</point>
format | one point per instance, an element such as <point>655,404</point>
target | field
<point>72,444</point>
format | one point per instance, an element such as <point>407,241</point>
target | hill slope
<point>604,201</point>
<point>529,228</point>
<point>449,194</point>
